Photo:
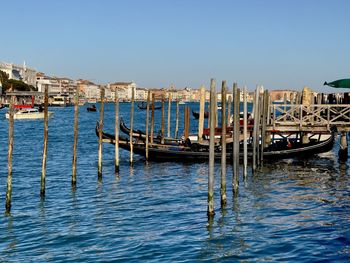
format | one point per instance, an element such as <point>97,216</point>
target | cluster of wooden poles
<point>260,113</point>
<point>44,160</point>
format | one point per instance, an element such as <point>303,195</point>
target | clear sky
<point>157,43</point>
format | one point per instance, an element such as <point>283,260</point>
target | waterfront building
<point>124,90</point>
<point>90,90</point>
<point>56,85</point>
<point>53,84</point>
<point>19,72</point>
<point>141,94</point>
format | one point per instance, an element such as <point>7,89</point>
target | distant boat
<point>196,114</point>
<point>143,106</point>
<point>28,114</point>
<point>91,108</point>
<point>182,102</point>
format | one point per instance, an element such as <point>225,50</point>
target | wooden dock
<point>311,118</point>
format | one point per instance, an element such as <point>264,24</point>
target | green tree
<point>3,76</point>
<point>17,84</point>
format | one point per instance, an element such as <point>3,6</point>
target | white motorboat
<point>28,114</point>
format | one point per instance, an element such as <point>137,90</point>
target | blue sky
<point>279,44</point>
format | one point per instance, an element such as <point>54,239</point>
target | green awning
<point>340,83</point>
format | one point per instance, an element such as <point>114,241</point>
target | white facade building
<point>124,90</point>
<point>17,72</point>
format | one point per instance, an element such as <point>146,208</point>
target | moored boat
<point>28,114</point>
<point>281,147</point>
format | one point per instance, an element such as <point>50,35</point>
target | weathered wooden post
<point>210,211</point>
<point>147,121</point>
<point>229,110</point>
<point>75,144</point>
<point>102,110</point>
<point>201,113</point>
<point>132,125</point>
<point>235,140</point>
<point>116,130</point>
<point>238,131</point>
<point>285,106</point>
<point>255,127</point>
<point>265,111</point>
<point>216,110</point>
<point>343,149</point>
<point>223,144</point>
<point>163,125</point>
<point>9,154</point>
<point>169,111</point>
<point>177,119</point>
<point>245,131</point>
<point>152,117</point>
<point>187,122</point>
<point>46,133</point>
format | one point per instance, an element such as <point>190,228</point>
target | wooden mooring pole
<point>343,149</point>
<point>102,109</point>
<point>9,154</point>
<point>210,210</point>
<point>75,143</point>
<point>235,140</point>
<point>265,116</point>
<point>255,128</point>
<point>152,118</point>
<point>223,144</point>
<point>169,112</point>
<point>162,123</point>
<point>229,110</point>
<point>245,131</point>
<point>116,130</point>
<point>132,126</point>
<point>177,119</point>
<point>201,113</point>
<point>46,133</point>
<point>147,121</point>
<point>187,122</point>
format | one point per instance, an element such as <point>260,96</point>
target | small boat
<point>283,147</point>
<point>143,106</point>
<point>91,108</point>
<point>182,102</point>
<point>28,114</point>
<point>196,114</point>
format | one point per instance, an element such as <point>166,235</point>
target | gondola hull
<point>197,152</point>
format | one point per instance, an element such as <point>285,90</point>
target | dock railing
<point>313,118</point>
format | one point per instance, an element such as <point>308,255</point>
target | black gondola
<point>143,106</point>
<point>196,114</point>
<point>91,108</point>
<point>187,152</point>
<point>140,135</point>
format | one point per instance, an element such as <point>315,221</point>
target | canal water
<point>292,210</point>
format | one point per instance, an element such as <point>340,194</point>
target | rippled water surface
<point>291,210</point>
